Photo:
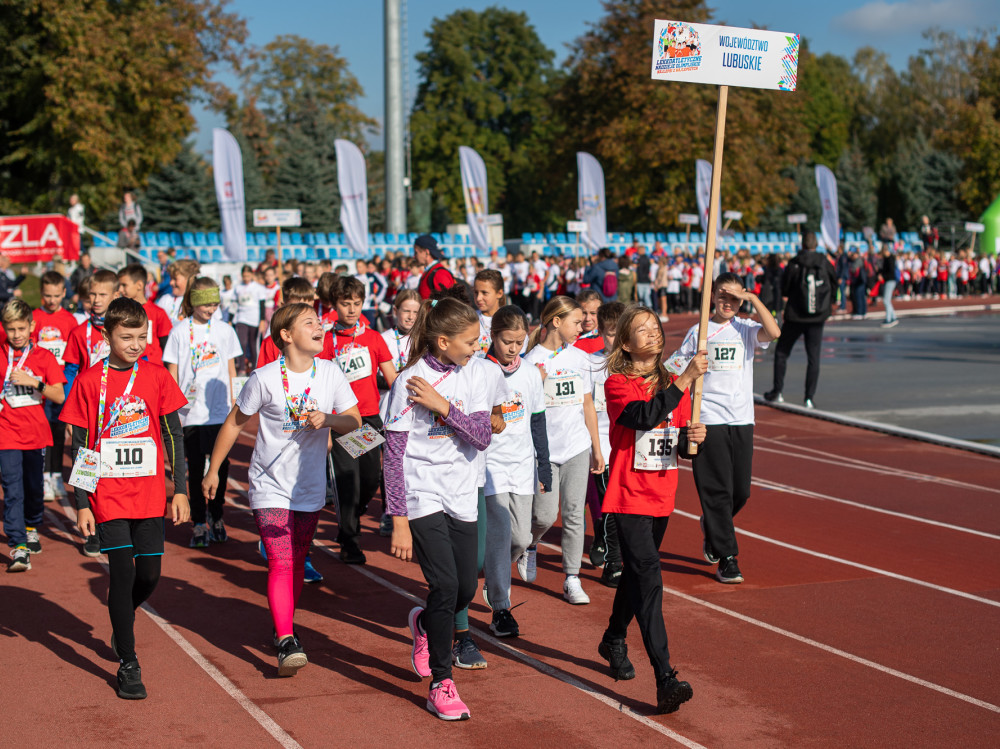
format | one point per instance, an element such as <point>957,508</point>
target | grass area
<point>31,291</point>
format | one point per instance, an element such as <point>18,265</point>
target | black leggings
<point>357,481</point>
<point>54,454</point>
<point>198,443</point>
<point>132,582</point>
<point>247,335</point>
<point>722,471</point>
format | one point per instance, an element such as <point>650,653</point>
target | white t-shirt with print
<point>510,458</point>
<point>485,335</point>
<point>600,375</point>
<point>727,393</point>
<point>569,378</point>
<point>286,469</point>
<point>494,384</point>
<point>208,389</point>
<point>440,468</point>
<point>248,299</point>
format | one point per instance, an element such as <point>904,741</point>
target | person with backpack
<point>436,275</point>
<point>808,285</point>
<point>602,275</point>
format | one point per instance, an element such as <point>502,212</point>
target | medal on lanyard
<point>293,420</point>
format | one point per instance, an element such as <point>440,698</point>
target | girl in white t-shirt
<point>299,398</point>
<point>437,419</point>
<point>201,355</point>
<point>248,318</point>
<point>488,291</point>
<point>517,464</point>
<point>406,307</point>
<point>574,443</point>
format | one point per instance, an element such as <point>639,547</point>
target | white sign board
<point>725,55</point>
<point>687,218</point>
<point>575,227</point>
<point>732,215</point>
<point>277,217</point>
<point>491,219</point>
<point>797,218</point>
<point>974,227</point>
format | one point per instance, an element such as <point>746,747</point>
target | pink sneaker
<point>420,657</point>
<point>445,703</point>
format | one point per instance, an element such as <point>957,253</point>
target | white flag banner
<point>703,188</point>
<point>352,179</point>
<point>227,162</point>
<point>474,190</point>
<point>590,199</point>
<point>830,224</point>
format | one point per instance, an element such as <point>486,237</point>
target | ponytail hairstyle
<point>447,317</point>
<point>558,306</point>
<point>509,317</point>
<point>620,360</point>
<point>202,282</point>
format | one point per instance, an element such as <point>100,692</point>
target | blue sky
<point>840,26</point>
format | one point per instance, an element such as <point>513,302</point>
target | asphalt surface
<point>936,374</point>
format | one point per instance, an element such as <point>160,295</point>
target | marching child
<point>32,376</point>
<point>294,290</point>
<point>201,356</point>
<point>517,464</point>
<point>181,272</point>
<point>82,312</point>
<point>325,306</point>
<point>249,318</point>
<point>132,280</point>
<point>438,421</point>
<point>53,324</point>
<point>488,292</point>
<point>406,307</point>
<point>574,443</point>
<point>650,415</point>
<point>590,339</point>
<point>87,343</point>
<point>723,464</point>
<point>124,417</point>
<point>361,354</point>
<point>299,399</point>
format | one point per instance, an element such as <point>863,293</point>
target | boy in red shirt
<point>124,417</point>
<point>132,280</point>
<point>295,290</point>
<point>361,353</point>
<point>53,324</point>
<point>87,345</point>
<point>31,375</point>
<point>590,339</point>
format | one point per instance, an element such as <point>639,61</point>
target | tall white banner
<point>590,200</point>
<point>352,178</point>
<point>830,224</point>
<point>703,189</point>
<point>227,162</point>
<point>474,191</point>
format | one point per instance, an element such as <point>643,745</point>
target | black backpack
<point>813,295</point>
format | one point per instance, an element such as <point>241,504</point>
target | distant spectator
<point>887,274</point>
<point>626,280</point>
<point>435,275</point>
<point>269,261</point>
<point>642,277</point>
<point>128,238</point>
<point>887,232</point>
<point>84,269</point>
<point>602,265</point>
<point>129,211</point>
<point>8,281</point>
<point>76,211</point>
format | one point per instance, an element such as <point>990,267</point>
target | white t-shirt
<point>171,305</point>
<point>727,394</point>
<point>399,347</point>
<point>569,378</point>
<point>228,304</point>
<point>293,479</point>
<point>485,335</point>
<point>248,299</point>
<point>510,458</point>
<point>600,375</point>
<point>208,390</point>
<point>494,384</point>
<point>440,468</point>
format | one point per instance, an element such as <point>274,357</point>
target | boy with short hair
<point>132,280</point>
<point>294,290</point>
<point>124,415</point>
<point>87,345</point>
<point>590,339</point>
<point>32,375</point>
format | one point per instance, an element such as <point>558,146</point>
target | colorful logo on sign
<point>790,64</point>
<point>678,48</point>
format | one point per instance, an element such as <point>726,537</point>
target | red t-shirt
<point>269,352</point>
<point>160,326</point>
<point>435,278</point>
<point>630,491</point>
<point>154,395</point>
<point>52,329</point>
<point>327,315</point>
<point>26,427</point>
<point>365,387</point>
<point>82,352</point>
<point>590,345</point>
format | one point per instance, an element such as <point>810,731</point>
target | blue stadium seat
<point>176,239</point>
<point>214,239</point>
<point>260,239</point>
<point>204,255</point>
<point>785,237</point>
<point>447,239</point>
<point>311,253</point>
<point>200,239</point>
<point>253,254</point>
<point>392,238</point>
<point>188,238</point>
<point>772,236</point>
<point>526,238</point>
<point>146,253</point>
<point>148,238</point>
<point>378,238</point>
<point>216,255</point>
<point>661,237</point>
<point>411,237</point>
<point>537,238</point>
<point>272,238</point>
<point>672,237</point>
<point>295,238</point>
<point>333,238</point>
<point>437,237</point>
<point>561,238</point>
<point>163,239</point>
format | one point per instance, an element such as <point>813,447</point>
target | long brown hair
<point>558,306</point>
<point>446,317</point>
<point>202,282</point>
<point>620,360</point>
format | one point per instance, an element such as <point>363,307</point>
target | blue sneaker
<point>262,550</point>
<point>311,573</point>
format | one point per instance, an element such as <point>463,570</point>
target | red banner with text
<point>27,239</point>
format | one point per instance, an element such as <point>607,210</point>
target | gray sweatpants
<point>569,494</point>
<point>508,534</point>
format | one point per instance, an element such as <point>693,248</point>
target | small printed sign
<point>360,441</point>
<point>687,218</point>
<point>277,217</point>
<point>797,218</point>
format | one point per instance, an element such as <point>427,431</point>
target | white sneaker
<point>527,565</point>
<point>573,591</point>
<point>47,494</point>
<point>58,488</point>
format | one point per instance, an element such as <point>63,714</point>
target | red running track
<point>869,617</point>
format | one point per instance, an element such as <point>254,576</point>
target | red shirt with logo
<point>83,352</point>
<point>348,354</point>
<point>23,424</point>
<point>160,326</point>
<point>52,330</point>
<point>154,395</point>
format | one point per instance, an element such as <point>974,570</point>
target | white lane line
<point>266,721</point>
<point>822,646</point>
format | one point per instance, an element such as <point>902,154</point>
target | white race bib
<point>600,401</point>
<point>58,348</point>
<point>656,450</point>
<point>19,396</point>
<point>564,389</point>
<point>86,470</point>
<point>128,458</point>
<point>725,355</point>
<point>356,363</point>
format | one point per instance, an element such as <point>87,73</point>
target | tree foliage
<point>180,196</point>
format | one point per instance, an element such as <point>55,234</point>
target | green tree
<point>855,190</point>
<point>831,90</point>
<point>304,181</point>
<point>181,196</point>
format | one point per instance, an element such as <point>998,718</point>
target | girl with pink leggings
<point>299,399</point>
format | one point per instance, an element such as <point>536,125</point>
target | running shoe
<point>261,550</point>
<point>291,656</point>
<point>573,591</point>
<point>311,574</point>
<point>486,596</point>
<point>385,526</point>
<point>809,404</point>
<point>92,547</point>
<point>465,654</point>
<point>729,571</point>
<point>612,574</point>
<point>34,541</point>
<point>217,533</point>
<point>58,488</point>
<point>504,624</point>
<point>352,555</point>
<point>20,559</point>
<point>773,396</point>
<point>200,538</point>
<point>420,656</point>
<point>277,641</point>
<point>598,552</point>
<point>47,494</point>
<point>445,703</point>
<point>671,694</point>
<point>130,686</point>
<point>527,565</point>
<point>615,652</point>
<point>706,548</point>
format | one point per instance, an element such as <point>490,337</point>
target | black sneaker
<point>277,642</point>
<point>612,574</point>
<point>217,532</point>
<point>729,571</point>
<point>706,548</point>
<point>291,656</point>
<point>773,396</point>
<point>130,685</point>
<point>92,547</point>
<point>598,553</point>
<point>20,559</point>
<point>385,526</point>
<point>504,624</point>
<point>615,652</point>
<point>34,541</point>
<point>671,694</point>
<point>352,555</point>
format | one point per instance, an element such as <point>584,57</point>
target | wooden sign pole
<point>713,222</point>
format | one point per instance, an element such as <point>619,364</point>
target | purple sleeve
<point>473,428</point>
<point>395,481</point>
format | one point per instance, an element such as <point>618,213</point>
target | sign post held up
<point>277,218</point>
<point>723,56</point>
<point>688,220</point>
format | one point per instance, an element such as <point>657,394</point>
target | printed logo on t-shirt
<point>302,410</point>
<point>440,429</point>
<point>132,416</point>
<point>48,333</point>
<point>205,355</point>
<point>483,345</point>
<point>513,409</point>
